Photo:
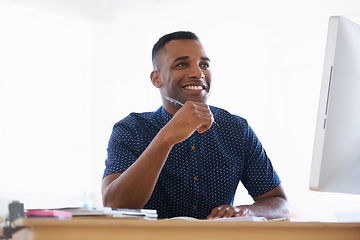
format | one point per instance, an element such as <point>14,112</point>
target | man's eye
<point>205,65</point>
<point>181,65</point>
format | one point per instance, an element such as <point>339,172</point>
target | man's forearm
<point>133,188</point>
<point>270,208</point>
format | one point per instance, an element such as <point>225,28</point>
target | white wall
<point>72,69</point>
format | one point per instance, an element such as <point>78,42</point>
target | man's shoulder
<point>136,119</point>
<point>225,116</point>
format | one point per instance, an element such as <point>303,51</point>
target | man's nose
<point>196,73</point>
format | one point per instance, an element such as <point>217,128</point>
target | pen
<point>176,102</point>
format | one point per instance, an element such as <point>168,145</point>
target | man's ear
<point>156,78</point>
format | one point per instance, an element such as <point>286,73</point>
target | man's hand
<point>227,211</point>
<point>193,116</point>
<point>270,205</point>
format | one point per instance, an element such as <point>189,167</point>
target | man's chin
<point>201,98</point>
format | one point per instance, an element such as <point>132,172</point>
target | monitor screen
<point>336,154</point>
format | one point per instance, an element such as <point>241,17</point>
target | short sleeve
<point>122,150</point>
<point>259,176</point>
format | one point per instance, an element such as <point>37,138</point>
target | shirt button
<point>195,178</point>
<point>194,207</point>
<point>192,147</point>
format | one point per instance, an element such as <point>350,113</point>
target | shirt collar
<point>165,115</point>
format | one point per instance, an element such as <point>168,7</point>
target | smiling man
<point>175,160</point>
<point>182,71</point>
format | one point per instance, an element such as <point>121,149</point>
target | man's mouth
<point>193,87</point>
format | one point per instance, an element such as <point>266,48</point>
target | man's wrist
<point>243,211</point>
<point>163,139</point>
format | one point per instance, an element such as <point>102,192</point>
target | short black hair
<point>171,36</point>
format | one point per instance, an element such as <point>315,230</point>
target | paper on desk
<point>247,218</point>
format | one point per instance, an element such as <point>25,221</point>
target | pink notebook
<point>48,213</point>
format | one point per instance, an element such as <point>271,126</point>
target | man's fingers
<point>226,212</point>
<point>200,114</point>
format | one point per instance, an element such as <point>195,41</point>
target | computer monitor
<point>336,154</point>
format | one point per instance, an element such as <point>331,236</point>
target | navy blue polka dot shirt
<point>200,173</point>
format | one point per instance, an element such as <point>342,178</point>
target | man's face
<point>184,71</point>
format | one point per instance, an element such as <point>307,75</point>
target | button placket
<point>194,151</point>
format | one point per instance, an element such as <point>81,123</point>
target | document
<point>250,219</point>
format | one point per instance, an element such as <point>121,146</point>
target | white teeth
<point>194,87</point>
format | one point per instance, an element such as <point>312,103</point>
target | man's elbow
<point>284,207</point>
